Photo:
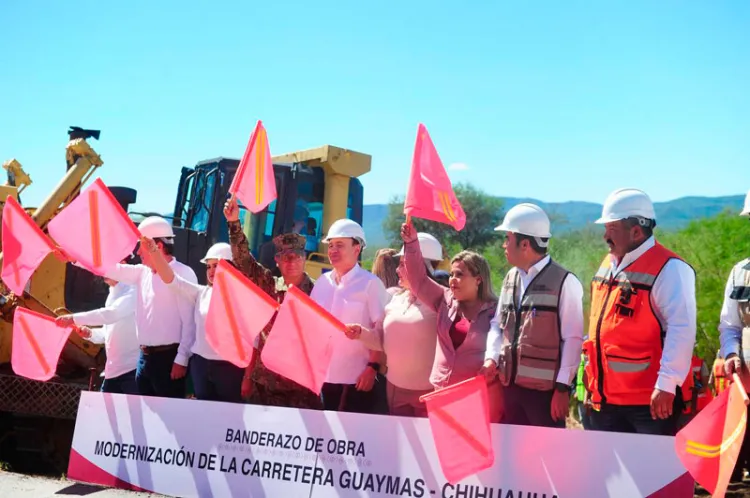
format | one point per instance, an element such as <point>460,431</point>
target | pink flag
<point>19,263</point>
<point>237,313</point>
<point>709,445</point>
<point>37,344</point>
<point>430,194</point>
<point>94,229</point>
<point>460,421</point>
<point>299,344</point>
<point>254,182</point>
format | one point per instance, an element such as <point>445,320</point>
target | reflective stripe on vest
<point>625,336</point>
<point>720,381</point>
<point>531,333</point>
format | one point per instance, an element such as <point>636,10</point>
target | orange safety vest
<point>625,337</point>
<point>720,379</point>
<point>695,377</point>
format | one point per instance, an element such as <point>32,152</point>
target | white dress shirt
<point>162,316</point>
<point>571,321</point>
<point>200,295</point>
<point>118,335</point>
<point>359,297</point>
<point>730,322</point>
<point>673,301</point>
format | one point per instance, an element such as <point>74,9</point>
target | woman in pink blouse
<point>464,311</point>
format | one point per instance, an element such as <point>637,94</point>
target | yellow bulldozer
<point>314,188</point>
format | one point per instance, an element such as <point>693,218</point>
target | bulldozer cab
<point>309,198</point>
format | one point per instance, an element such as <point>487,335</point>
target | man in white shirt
<point>117,333</point>
<point>734,333</point>
<point>352,295</point>
<point>642,323</point>
<point>164,319</point>
<point>734,324</point>
<point>536,335</point>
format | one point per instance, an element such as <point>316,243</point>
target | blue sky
<point>553,100</point>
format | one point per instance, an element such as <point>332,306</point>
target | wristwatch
<point>374,365</point>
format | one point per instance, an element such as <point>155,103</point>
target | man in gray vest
<point>734,335</point>
<point>534,343</point>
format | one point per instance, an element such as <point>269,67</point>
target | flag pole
<point>736,378</point>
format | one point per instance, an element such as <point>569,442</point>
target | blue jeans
<point>154,372</point>
<point>216,380</point>
<point>122,384</point>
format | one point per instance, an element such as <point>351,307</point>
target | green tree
<point>712,246</point>
<point>483,213</point>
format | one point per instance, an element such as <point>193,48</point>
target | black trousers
<point>636,418</point>
<point>346,398</point>
<point>522,406</point>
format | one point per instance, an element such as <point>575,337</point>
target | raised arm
<point>190,290</point>
<point>241,255</point>
<point>428,291</point>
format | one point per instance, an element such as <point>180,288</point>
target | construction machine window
<point>355,200</point>
<point>270,217</point>
<point>308,209</point>
<point>205,187</point>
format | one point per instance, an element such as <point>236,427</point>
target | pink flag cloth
<point>94,229</point>
<point>254,182</point>
<point>37,344</point>
<point>460,422</point>
<point>709,445</point>
<point>429,195</point>
<point>237,313</point>
<point>24,246</point>
<point>299,344</point>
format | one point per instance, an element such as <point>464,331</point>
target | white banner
<point>198,448</point>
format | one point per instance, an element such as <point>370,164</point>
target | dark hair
<point>168,248</point>
<point>532,243</point>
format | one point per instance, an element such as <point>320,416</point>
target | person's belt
<point>158,349</point>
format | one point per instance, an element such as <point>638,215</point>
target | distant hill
<point>573,215</point>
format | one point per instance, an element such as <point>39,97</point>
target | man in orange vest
<point>642,323</point>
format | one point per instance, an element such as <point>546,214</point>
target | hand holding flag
<point>254,182</point>
<point>430,194</point>
<point>25,246</point>
<point>710,444</point>
<point>237,313</point>
<point>94,229</point>
<point>460,423</point>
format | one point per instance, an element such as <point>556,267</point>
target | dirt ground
<point>24,486</point>
<point>734,491</point>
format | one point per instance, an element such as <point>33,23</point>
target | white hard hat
<point>220,250</point>
<point>746,209</point>
<point>346,228</point>
<point>429,246</point>
<point>626,202</point>
<point>156,227</point>
<point>526,219</point>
